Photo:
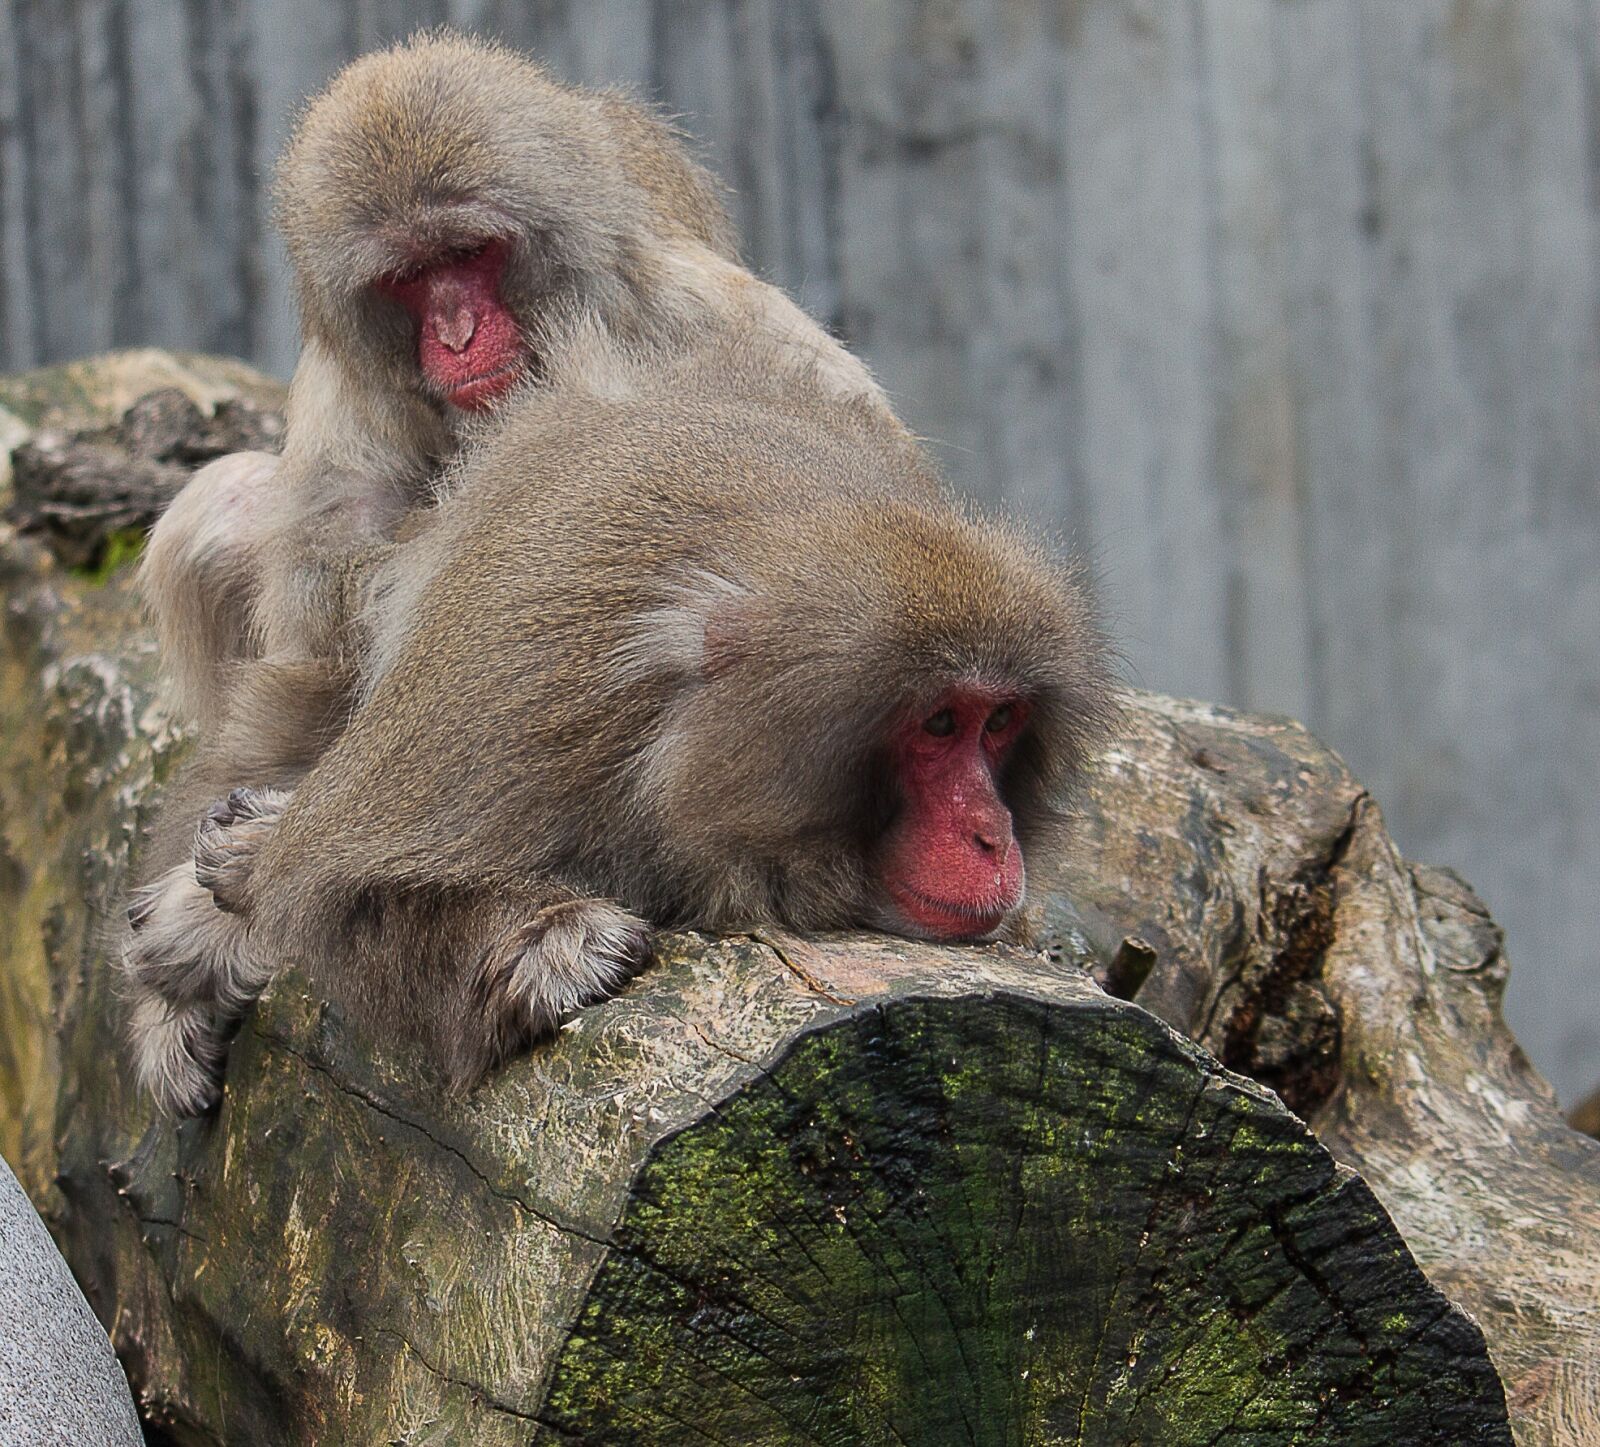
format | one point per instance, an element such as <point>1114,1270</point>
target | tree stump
<point>841,1190</point>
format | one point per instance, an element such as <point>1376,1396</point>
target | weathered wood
<point>852,1190</point>
<point>856,1193</point>
<point>786,1178</point>
<point>1585,1115</point>
<point>83,490</point>
<point>1239,883</point>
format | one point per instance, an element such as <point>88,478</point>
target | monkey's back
<point>504,623</point>
<point>644,639</point>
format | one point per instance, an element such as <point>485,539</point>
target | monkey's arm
<point>471,972</point>
<point>413,881</point>
<point>357,460</point>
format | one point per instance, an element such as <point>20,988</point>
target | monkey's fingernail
<point>221,812</point>
<point>242,801</point>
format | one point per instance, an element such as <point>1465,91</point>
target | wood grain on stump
<point>847,1191</point>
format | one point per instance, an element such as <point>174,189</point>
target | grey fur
<point>656,643</point>
<point>676,400</point>
<point>438,142</point>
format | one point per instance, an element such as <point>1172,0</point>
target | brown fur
<point>273,588</point>
<point>437,141</point>
<point>660,639</point>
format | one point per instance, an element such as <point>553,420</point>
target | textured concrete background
<point>1289,309</point>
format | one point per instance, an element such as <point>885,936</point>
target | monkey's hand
<point>567,956</point>
<point>230,835</point>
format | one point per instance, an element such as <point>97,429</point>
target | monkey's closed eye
<point>941,725</point>
<point>400,280</point>
<point>999,719</point>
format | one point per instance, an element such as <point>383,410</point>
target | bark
<point>83,489</point>
<point>1239,883</point>
<point>842,1190</point>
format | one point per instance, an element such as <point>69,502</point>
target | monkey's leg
<point>190,974</point>
<point>201,574</point>
<point>184,949</point>
<point>473,974</point>
<point>190,966</point>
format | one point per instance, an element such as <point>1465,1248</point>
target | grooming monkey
<point>694,642</point>
<point>442,201</point>
<point>449,209</point>
<point>439,201</point>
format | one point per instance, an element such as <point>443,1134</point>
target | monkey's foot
<point>184,951</point>
<point>567,956</point>
<point>178,1054</point>
<point>227,840</point>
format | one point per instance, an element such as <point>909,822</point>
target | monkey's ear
<point>701,632</point>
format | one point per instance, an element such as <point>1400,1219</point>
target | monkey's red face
<point>951,863</point>
<point>469,347</point>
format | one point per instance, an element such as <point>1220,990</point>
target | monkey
<point>447,206</point>
<point>437,200</point>
<point>694,643</point>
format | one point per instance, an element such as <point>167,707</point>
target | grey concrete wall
<point>1290,309</point>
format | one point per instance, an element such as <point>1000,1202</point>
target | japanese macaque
<point>440,202</point>
<point>451,212</point>
<point>693,642</point>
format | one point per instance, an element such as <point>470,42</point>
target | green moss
<point>120,549</point>
<point>944,1222</point>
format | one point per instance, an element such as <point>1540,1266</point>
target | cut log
<point>1240,884</point>
<point>853,1190</point>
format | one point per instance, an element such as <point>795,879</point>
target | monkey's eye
<point>999,720</point>
<point>941,725</point>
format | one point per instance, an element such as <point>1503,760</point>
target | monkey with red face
<point>450,211</point>
<point>695,643</point>
<point>442,202</point>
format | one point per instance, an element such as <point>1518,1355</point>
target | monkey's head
<point>882,719</point>
<point>440,200</point>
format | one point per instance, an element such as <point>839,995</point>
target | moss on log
<point>833,1191</point>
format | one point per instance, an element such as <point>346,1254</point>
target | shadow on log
<point>839,1191</point>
